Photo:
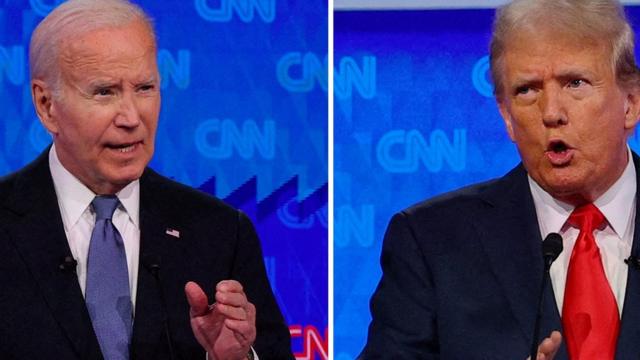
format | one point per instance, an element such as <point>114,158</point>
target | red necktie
<point>589,313</point>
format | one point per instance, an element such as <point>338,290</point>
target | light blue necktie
<point>107,294</point>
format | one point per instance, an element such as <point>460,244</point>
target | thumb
<point>197,299</point>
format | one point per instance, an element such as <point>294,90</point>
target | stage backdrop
<point>244,117</point>
<point>414,117</point>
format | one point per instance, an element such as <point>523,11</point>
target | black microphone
<point>152,263</point>
<point>633,261</point>
<point>551,248</point>
<point>68,264</point>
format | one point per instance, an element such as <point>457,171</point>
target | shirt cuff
<point>255,354</point>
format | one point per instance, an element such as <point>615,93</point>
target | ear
<point>632,109</point>
<point>506,117</point>
<point>42,97</point>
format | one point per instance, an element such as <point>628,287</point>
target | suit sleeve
<point>403,307</point>
<point>272,339</point>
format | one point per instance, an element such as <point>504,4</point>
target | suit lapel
<point>628,344</point>
<point>156,246</point>
<point>148,320</point>
<point>509,232</point>
<point>38,234</point>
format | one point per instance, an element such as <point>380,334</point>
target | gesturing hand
<point>226,329</point>
<point>549,346</point>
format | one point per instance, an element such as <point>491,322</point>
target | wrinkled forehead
<point>527,50</point>
<point>109,48</point>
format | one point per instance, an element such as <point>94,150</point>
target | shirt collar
<point>616,204</point>
<point>74,197</point>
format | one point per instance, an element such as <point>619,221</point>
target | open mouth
<point>123,148</point>
<point>559,153</point>
<point>558,147</point>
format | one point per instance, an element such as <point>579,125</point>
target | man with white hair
<point>461,272</point>
<point>103,257</point>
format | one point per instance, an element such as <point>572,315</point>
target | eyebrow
<point>101,83</point>
<point>525,80</point>
<point>148,80</point>
<point>528,79</point>
<point>575,73</point>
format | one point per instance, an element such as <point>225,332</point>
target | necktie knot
<point>104,206</point>
<point>586,218</point>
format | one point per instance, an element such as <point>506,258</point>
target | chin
<point>569,190</point>
<point>130,176</point>
<point>123,176</point>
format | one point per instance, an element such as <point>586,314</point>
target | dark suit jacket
<point>43,313</point>
<point>461,278</point>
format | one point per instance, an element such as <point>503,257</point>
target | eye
<point>576,83</point>
<point>523,90</point>
<point>525,93</point>
<point>103,91</point>
<point>147,87</point>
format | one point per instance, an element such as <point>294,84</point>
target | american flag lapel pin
<point>173,232</point>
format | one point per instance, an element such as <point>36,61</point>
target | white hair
<point>75,18</point>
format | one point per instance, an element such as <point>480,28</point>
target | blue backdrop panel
<point>243,117</point>
<point>414,117</point>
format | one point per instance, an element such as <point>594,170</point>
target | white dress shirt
<point>74,200</point>
<point>618,205</point>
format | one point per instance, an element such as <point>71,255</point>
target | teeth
<point>127,149</point>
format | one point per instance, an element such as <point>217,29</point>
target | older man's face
<point>104,124</point>
<point>566,113</point>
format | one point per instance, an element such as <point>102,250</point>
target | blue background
<point>430,126</point>
<point>230,124</point>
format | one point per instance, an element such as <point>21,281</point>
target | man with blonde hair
<point>461,272</point>
<point>103,257</point>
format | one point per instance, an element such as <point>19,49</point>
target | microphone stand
<point>152,263</point>
<point>551,248</point>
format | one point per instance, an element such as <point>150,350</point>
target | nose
<point>552,108</point>
<point>128,115</point>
